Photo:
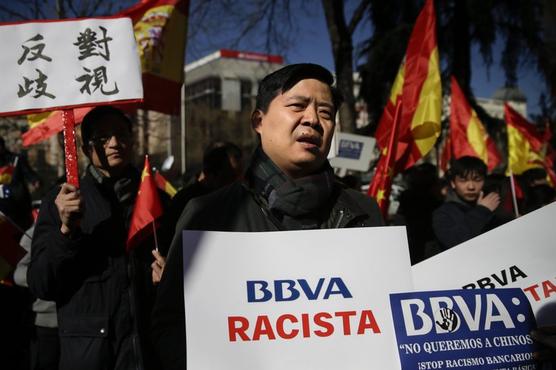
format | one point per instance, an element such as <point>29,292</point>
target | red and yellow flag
<point>44,125</point>
<point>418,86</point>
<point>164,185</point>
<point>381,184</point>
<point>524,143</point>
<point>161,31</point>
<point>6,174</point>
<point>468,135</point>
<point>146,211</point>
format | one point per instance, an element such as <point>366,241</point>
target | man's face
<point>297,128</point>
<point>469,187</point>
<point>110,145</point>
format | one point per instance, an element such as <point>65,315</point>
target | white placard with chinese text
<point>68,63</point>
<point>295,300</point>
<point>519,254</point>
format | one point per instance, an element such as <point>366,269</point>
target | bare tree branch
<point>358,15</point>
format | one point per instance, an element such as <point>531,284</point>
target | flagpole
<point>155,238</point>
<point>514,197</point>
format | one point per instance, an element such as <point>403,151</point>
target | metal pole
<point>183,129</point>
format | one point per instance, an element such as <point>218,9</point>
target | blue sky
<point>312,44</point>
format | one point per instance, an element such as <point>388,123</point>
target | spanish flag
<point>468,136</point>
<point>524,143</point>
<point>418,86</point>
<point>164,184</point>
<point>381,184</point>
<point>161,31</point>
<point>44,125</point>
<point>146,211</point>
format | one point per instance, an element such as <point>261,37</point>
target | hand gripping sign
<point>52,65</point>
<point>293,300</point>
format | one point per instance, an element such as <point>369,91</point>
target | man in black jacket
<point>289,185</point>
<point>103,295</point>
<point>467,211</point>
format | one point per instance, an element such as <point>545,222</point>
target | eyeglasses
<point>104,139</point>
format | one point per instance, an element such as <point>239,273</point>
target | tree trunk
<point>342,49</point>
<point>461,67</point>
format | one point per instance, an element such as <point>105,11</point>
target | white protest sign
<point>352,152</point>
<point>293,300</point>
<point>62,64</point>
<point>519,254</point>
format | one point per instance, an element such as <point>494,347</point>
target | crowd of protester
<point>82,300</point>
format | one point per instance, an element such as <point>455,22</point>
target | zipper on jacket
<point>340,219</point>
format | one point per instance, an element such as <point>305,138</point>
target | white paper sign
<point>68,63</point>
<point>352,152</point>
<point>293,300</point>
<point>519,254</point>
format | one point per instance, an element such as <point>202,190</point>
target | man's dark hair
<point>97,114</point>
<point>465,166</point>
<point>280,81</point>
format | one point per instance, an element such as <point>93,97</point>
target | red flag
<point>446,154</point>
<point>418,85</point>
<point>381,184</point>
<point>468,135</point>
<point>147,209</point>
<point>10,250</point>
<point>548,165</point>
<point>160,28</point>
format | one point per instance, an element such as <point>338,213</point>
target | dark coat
<point>103,295</point>
<point>456,221</point>
<point>233,208</point>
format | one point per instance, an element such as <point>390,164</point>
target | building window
<point>206,92</point>
<point>246,95</point>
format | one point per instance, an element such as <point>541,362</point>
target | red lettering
<point>533,292</point>
<point>548,288</point>
<point>345,320</point>
<point>280,326</point>
<point>367,321</point>
<point>319,320</point>
<point>263,327</point>
<point>305,325</point>
<point>234,330</point>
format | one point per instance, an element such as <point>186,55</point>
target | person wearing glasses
<point>79,260</point>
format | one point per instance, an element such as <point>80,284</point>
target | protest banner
<point>519,254</point>
<point>316,299</point>
<point>471,329</point>
<point>66,64</point>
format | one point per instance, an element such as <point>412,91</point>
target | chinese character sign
<point>68,63</point>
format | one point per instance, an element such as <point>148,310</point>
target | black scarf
<point>123,189</point>
<point>297,204</point>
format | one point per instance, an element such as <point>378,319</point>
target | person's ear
<point>256,120</point>
<point>452,184</point>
